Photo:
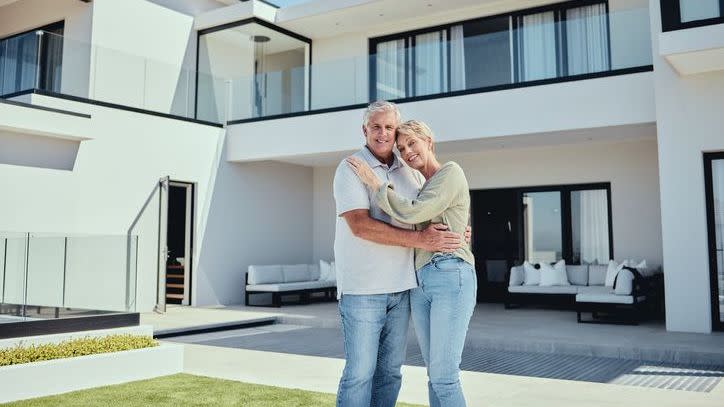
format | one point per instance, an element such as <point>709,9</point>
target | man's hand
<point>437,238</point>
<point>468,234</point>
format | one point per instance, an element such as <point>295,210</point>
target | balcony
<point>536,71</point>
<point>46,63</point>
<point>692,38</point>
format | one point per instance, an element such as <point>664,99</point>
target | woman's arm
<point>435,197</point>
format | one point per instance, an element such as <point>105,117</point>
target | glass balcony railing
<point>56,272</point>
<point>50,63</point>
<point>542,48</point>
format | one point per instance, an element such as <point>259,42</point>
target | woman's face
<point>414,150</point>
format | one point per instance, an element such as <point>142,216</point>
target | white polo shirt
<point>365,267</point>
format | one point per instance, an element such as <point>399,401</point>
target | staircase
<point>174,284</point>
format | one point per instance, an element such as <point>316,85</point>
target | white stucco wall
<point>111,190</point>
<point>259,213</point>
<point>690,122</point>
<point>630,166</point>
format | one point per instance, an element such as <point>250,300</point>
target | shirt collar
<point>374,162</point>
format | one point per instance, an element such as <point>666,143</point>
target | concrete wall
<point>111,191</point>
<point>690,122</point>
<point>631,167</point>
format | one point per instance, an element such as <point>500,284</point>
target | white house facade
<point>208,132</point>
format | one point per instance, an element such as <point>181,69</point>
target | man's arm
<point>435,238</point>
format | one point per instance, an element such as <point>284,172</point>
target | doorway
<point>714,179</point>
<point>179,238</point>
<point>495,221</point>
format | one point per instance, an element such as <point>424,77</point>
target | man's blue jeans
<point>375,345</point>
<point>441,310</point>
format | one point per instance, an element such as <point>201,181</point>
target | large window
<point>549,42</point>
<point>251,69</point>
<point>32,60</point>
<point>567,222</point>
<point>680,14</point>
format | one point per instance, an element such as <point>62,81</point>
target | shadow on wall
<point>37,151</point>
<point>259,213</point>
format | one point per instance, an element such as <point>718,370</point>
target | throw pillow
<point>613,269</point>
<point>623,284</point>
<point>517,276</point>
<point>332,278</point>
<point>325,270</point>
<point>553,275</point>
<point>532,275</point>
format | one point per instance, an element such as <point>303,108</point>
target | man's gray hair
<point>381,106</point>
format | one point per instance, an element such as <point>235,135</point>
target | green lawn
<point>185,390</point>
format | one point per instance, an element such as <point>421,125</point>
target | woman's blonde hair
<point>416,128</point>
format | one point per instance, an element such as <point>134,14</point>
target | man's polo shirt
<point>365,267</point>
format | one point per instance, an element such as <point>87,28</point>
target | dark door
<point>496,223</point>
<point>714,177</point>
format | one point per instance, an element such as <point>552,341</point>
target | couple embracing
<point>401,248</point>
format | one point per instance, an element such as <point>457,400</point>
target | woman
<point>444,300</point>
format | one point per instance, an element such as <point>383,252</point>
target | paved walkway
<point>481,389</point>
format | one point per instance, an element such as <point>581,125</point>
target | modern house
<point>208,131</point>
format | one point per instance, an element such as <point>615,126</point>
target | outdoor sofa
<point>633,294</point>
<point>301,280</point>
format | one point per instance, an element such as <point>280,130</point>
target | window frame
<point>559,10</point>
<point>671,17</point>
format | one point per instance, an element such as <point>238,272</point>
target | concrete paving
<point>481,389</point>
<point>178,319</point>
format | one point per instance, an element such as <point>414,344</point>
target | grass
<point>185,390</point>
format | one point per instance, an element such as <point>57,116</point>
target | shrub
<point>74,347</point>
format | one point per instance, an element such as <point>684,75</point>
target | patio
<point>492,328</point>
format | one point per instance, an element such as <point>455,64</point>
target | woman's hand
<point>364,172</point>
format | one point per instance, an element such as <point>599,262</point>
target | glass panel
<point>589,221</point>
<point>391,59</point>
<point>19,58</point>
<point>587,39</point>
<point>717,171</point>
<point>266,73</point>
<point>431,63</point>
<point>537,46</point>
<point>542,226</point>
<point>693,10</point>
<point>489,41</point>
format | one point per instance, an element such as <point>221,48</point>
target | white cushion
<point>597,274</point>
<point>609,298</point>
<point>517,276</point>
<point>324,270</point>
<point>314,272</point>
<point>536,289</point>
<point>553,275</point>
<point>577,274</point>
<point>296,272</point>
<point>333,273</point>
<point>595,289</point>
<point>265,274</point>
<point>624,282</point>
<point>612,270</point>
<point>532,275</point>
<point>302,285</point>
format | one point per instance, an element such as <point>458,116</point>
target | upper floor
<point>237,62</point>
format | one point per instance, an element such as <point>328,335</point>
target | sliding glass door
<point>714,175</point>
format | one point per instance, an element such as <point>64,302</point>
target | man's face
<point>380,133</point>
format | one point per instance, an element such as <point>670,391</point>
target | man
<point>375,266</point>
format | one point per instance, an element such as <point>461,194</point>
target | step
<point>175,296</point>
<point>181,276</point>
<point>172,285</point>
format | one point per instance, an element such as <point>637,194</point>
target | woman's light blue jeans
<point>442,306</point>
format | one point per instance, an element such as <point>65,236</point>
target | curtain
<point>594,226</point>
<point>391,58</point>
<point>587,39</point>
<point>457,58</point>
<point>430,63</point>
<point>19,60</point>
<point>537,46</point>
